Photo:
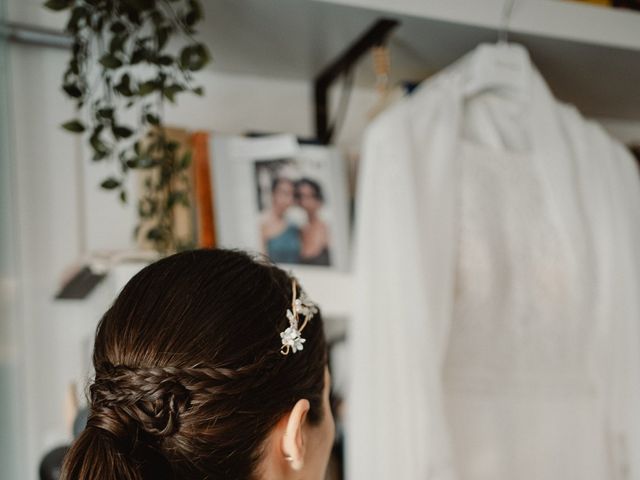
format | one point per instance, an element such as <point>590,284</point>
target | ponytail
<point>98,455</point>
<point>95,455</point>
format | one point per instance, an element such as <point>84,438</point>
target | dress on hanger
<point>497,286</point>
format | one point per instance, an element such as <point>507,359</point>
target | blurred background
<point>241,123</point>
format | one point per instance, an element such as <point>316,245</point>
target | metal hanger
<point>382,70</point>
<point>507,10</point>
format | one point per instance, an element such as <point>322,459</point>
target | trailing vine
<point>125,64</point>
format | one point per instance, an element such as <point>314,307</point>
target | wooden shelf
<point>558,19</point>
<point>589,55</point>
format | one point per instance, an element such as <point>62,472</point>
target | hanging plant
<point>120,74</point>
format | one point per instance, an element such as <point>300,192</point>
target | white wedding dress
<point>498,296</point>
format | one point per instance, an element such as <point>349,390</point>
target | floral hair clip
<point>292,337</point>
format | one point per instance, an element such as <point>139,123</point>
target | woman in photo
<point>209,364</point>
<point>280,238</point>
<point>315,234</point>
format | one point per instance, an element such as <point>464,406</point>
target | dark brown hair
<point>315,186</point>
<point>189,375</point>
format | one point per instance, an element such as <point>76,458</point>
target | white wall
<point>46,227</point>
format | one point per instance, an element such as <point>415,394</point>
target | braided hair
<point>189,378</point>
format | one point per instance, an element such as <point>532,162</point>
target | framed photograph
<point>283,199</point>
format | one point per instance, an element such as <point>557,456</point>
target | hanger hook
<point>507,10</point>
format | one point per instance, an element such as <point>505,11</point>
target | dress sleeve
<point>623,405</point>
<point>396,425</point>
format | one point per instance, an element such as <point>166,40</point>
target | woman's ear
<point>293,440</point>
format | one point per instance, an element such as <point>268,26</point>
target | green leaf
<point>72,90</point>
<point>147,87</point>
<point>194,57</point>
<point>75,126</point>
<point>165,60</point>
<point>100,155</point>
<point>78,14</point>
<point>152,119</point>
<point>157,18</point>
<point>120,131</point>
<point>176,198</point>
<point>185,57</point>
<point>58,5</point>
<point>197,6</point>
<point>124,87</point>
<point>134,16</point>
<point>185,161</point>
<point>117,43</point>
<point>123,196</point>
<point>198,91</point>
<point>155,234</point>
<point>106,113</point>
<point>162,36</point>
<point>194,14</point>
<point>110,183</point>
<point>138,55</point>
<point>140,5</point>
<point>143,210</point>
<point>98,145</point>
<point>118,27</point>
<point>171,91</point>
<point>190,18</point>
<point>74,67</point>
<point>110,61</point>
<point>97,130</point>
<point>99,23</point>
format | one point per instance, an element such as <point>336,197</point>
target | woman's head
<point>190,381</point>
<point>309,195</point>
<point>282,194</point>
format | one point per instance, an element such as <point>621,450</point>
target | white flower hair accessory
<point>292,337</point>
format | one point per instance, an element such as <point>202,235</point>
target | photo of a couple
<point>292,226</point>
